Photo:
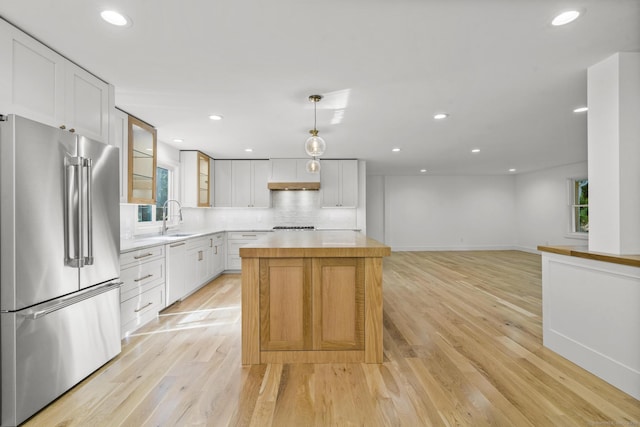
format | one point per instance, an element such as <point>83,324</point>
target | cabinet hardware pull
<point>175,245</point>
<point>72,130</point>
<point>143,256</point>
<point>143,307</point>
<point>216,252</point>
<point>142,278</point>
<point>199,255</point>
<point>249,235</point>
<point>63,127</point>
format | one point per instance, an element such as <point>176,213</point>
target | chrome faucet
<point>164,214</point>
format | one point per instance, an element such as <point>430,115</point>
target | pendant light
<point>313,166</point>
<point>315,145</point>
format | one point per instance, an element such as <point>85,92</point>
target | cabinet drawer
<point>138,279</point>
<point>198,243</point>
<point>245,235</point>
<point>141,255</point>
<point>135,312</point>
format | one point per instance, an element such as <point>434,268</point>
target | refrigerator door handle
<point>57,304</point>
<point>73,202</point>
<point>89,258</point>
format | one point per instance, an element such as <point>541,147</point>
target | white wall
<point>449,212</point>
<point>542,207</point>
<point>473,212</point>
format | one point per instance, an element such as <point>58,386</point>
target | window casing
<point>580,206</point>
<point>149,217</point>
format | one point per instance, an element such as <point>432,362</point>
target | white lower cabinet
<point>176,271</point>
<point>142,294</point>
<point>197,257</point>
<point>237,239</point>
<point>217,254</point>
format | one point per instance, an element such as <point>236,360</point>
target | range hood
<point>291,174</point>
<point>299,186</point>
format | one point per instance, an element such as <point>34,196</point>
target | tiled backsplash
<point>288,208</point>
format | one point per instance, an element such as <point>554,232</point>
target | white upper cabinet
<point>291,170</point>
<point>339,183</point>
<point>222,183</point>
<point>38,83</point>
<point>196,171</point>
<point>249,180</point>
<point>86,103</point>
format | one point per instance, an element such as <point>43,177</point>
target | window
<point>580,206</point>
<point>151,213</point>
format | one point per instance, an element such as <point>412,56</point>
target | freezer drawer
<point>46,352</point>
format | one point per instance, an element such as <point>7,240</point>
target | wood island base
<point>312,297</point>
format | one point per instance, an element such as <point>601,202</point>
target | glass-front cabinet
<point>196,179</point>
<point>142,162</point>
<point>203,180</point>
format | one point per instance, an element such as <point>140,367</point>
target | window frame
<point>573,209</point>
<point>155,225</point>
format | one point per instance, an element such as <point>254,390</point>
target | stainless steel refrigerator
<point>59,262</point>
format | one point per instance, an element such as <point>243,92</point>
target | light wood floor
<point>462,344</point>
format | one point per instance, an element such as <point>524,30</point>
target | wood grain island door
<point>285,304</point>
<point>338,303</point>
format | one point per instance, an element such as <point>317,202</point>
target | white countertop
<point>145,241</point>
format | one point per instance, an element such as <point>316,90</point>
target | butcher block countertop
<point>584,252</point>
<point>315,244</point>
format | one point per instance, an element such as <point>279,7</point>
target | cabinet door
<point>338,303</point>
<point>86,103</point>
<point>349,183</point>
<point>203,180</point>
<point>142,162</point>
<point>285,304</point>
<point>222,183</point>
<point>32,78</point>
<point>241,183</point>
<point>330,183</point>
<point>196,271</point>
<point>176,270</point>
<point>219,257</point>
<point>261,195</point>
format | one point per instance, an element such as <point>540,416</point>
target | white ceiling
<point>508,79</point>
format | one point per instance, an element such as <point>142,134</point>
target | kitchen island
<point>312,297</point>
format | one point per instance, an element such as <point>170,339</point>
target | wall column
<point>613,91</point>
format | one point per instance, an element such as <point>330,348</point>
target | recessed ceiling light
<point>581,109</point>
<point>565,18</point>
<point>248,150</point>
<point>440,116</point>
<point>423,170</point>
<point>115,18</point>
<point>215,117</point>
<point>178,140</point>
<point>475,150</point>
<point>395,150</point>
<point>512,170</point>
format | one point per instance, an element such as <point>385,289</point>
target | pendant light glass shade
<point>315,145</point>
<point>313,166</point>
